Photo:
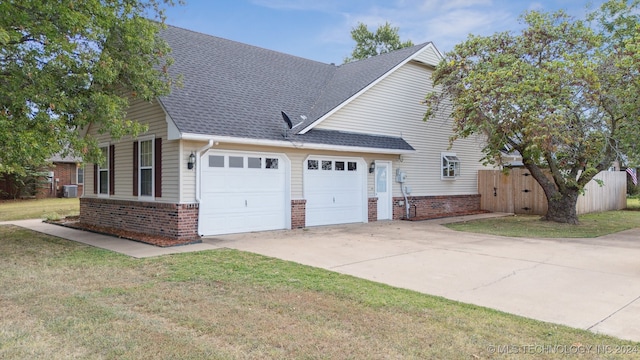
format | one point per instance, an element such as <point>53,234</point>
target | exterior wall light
<point>192,161</point>
<point>372,167</point>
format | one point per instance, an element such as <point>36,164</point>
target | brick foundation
<point>177,221</point>
<point>298,213</point>
<point>427,207</point>
<point>373,209</point>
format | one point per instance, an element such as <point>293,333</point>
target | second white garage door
<point>335,190</point>
<point>242,192</point>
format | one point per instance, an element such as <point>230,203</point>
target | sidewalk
<point>123,246</point>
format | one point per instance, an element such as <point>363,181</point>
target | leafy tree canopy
<point>370,44</point>
<point>65,64</point>
<point>564,93</point>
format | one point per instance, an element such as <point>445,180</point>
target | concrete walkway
<point>591,284</point>
<point>127,247</point>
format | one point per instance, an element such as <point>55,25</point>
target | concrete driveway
<point>591,284</point>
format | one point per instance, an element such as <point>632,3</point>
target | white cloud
<point>443,22</point>
<point>303,5</point>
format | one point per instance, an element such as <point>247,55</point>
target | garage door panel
<point>242,199</point>
<point>334,194</point>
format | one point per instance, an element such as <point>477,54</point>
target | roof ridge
<point>246,44</point>
<point>389,53</point>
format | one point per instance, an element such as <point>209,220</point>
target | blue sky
<point>320,29</point>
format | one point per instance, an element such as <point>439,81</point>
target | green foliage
<point>370,44</point>
<point>66,64</point>
<point>558,93</point>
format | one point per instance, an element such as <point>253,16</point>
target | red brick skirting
<point>298,213</point>
<point>429,207</point>
<point>176,221</point>
<point>373,209</point>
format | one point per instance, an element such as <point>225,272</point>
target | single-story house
<point>62,177</point>
<point>260,140</point>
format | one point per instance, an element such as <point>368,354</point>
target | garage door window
<point>331,165</point>
<point>254,163</point>
<point>236,162</point>
<point>216,161</point>
<point>271,163</point>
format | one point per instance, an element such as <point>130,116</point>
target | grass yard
<point>591,225</point>
<point>63,300</point>
<point>39,209</point>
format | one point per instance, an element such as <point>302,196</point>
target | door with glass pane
<point>383,189</point>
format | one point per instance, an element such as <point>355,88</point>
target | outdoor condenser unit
<point>70,191</point>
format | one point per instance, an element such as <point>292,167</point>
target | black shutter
<point>95,178</point>
<point>157,167</point>
<point>112,175</point>
<point>135,168</point>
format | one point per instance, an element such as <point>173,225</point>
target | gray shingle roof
<point>340,138</point>
<point>238,90</point>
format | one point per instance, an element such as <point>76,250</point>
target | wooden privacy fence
<point>519,193</point>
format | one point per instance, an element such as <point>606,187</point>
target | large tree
<point>369,43</point>
<point>562,92</point>
<point>65,64</point>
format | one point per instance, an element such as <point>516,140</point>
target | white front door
<point>383,190</point>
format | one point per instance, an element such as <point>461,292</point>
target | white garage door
<point>335,190</point>
<point>242,192</point>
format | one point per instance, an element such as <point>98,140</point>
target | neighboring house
<point>61,174</point>
<point>218,157</point>
<point>65,172</point>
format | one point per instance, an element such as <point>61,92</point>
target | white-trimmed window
<point>80,175</point>
<point>103,172</point>
<point>145,168</point>
<point>450,166</point>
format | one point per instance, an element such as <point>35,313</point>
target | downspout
<point>199,153</point>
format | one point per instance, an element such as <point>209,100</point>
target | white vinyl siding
<point>428,56</point>
<point>152,115</point>
<point>401,114</point>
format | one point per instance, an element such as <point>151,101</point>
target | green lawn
<point>64,300</point>
<point>591,225</point>
<point>39,209</point>
<point>633,204</point>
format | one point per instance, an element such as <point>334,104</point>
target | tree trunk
<point>562,207</point>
